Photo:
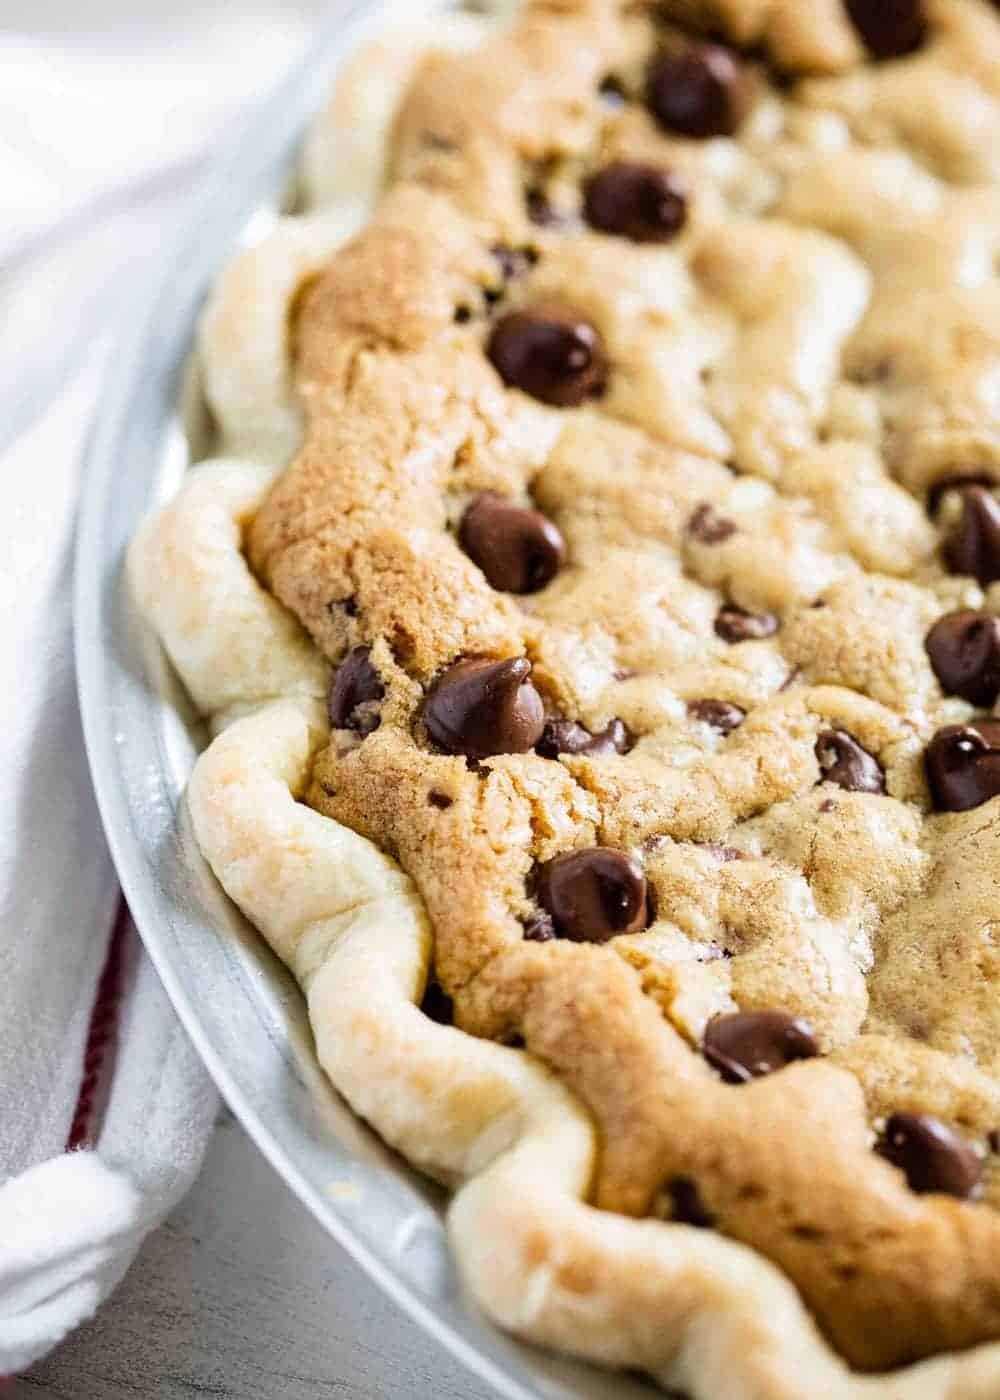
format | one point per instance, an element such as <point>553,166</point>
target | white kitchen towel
<point>108,111</point>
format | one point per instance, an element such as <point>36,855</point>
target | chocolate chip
<point>963,765</point>
<point>993,1140</point>
<point>843,761</point>
<point>709,527</point>
<point>643,202</point>
<point>698,92</point>
<point>940,489</point>
<point>747,1044</point>
<point>551,353</point>
<point>593,895</point>
<point>687,1207</point>
<point>889,28</point>
<point>964,649</point>
<point>973,547</point>
<point>355,685</point>
<point>440,800</point>
<point>720,714</point>
<point>519,550</point>
<point>480,708</point>
<point>540,930</point>
<point>932,1155</point>
<point>438,1005</point>
<point>735,625</point>
<point>566,736</point>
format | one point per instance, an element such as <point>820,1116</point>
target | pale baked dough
<point>828,322</point>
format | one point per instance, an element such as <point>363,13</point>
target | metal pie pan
<point>240,1007</point>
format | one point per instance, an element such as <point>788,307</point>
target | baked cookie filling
<point>640,546</point>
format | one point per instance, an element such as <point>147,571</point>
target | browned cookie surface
<point>646,508</point>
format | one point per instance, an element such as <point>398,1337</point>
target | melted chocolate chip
<point>973,547</point>
<point>735,625</point>
<point>566,736</point>
<point>963,765</point>
<point>932,1155</point>
<point>481,708</point>
<point>698,92</point>
<point>687,1207</point>
<point>720,714</point>
<point>642,202</point>
<point>355,684</point>
<point>709,527</point>
<point>551,353</point>
<point>593,895</point>
<point>519,550</point>
<point>889,28</point>
<point>843,761</point>
<point>440,800</point>
<point>964,650</point>
<point>748,1044</point>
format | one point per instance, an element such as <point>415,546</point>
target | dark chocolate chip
<point>540,930</point>
<point>889,28</point>
<point>593,895</point>
<point>735,625</point>
<point>438,1005</point>
<point>720,714</point>
<point>932,1155</point>
<point>993,1140</point>
<point>687,1207</point>
<point>643,202</point>
<point>964,649</point>
<point>843,761</point>
<point>747,1044</point>
<point>963,765</point>
<point>709,527</point>
<point>940,489</point>
<point>551,353</point>
<point>519,550</point>
<point>698,92</point>
<point>463,315</point>
<point>440,800</point>
<point>480,708</point>
<point>973,547</point>
<point>566,736</point>
<point>355,686</point>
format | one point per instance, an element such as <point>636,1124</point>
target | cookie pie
<point>596,603</point>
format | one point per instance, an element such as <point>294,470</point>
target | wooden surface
<point>242,1295</point>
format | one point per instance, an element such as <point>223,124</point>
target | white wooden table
<point>242,1295</point>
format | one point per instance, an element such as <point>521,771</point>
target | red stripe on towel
<point>102,1035</point>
